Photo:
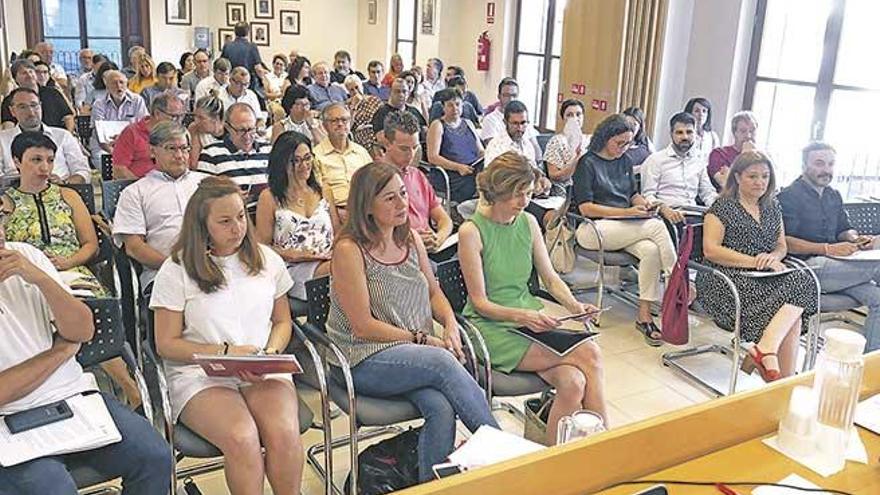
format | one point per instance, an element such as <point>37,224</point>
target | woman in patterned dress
<point>742,233</point>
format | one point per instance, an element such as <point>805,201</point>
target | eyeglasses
<point>28,106</point>
<point>177,117</point>
<point>339,120</point>
<point>243,132</point>
<point>299,160</point>
<point>177,149</point>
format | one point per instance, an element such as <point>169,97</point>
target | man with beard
<point>675,176</point>
<point>817,229</point>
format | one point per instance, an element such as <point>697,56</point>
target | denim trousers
<point>853,278</point>
<point>437,384</point>
<point>142,459</point>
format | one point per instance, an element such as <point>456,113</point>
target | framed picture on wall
<point>427,16</point>
<point>289,22</point>
<point>372,11</point>
<point>264,9</point>
<point>235,12</point>
<point>224,36</point>
<point>260,33</point>
<point>178,12</point>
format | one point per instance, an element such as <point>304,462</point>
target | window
<point>810,77</point>
<point>68,27</point>
<point>405,31</point>
<point>537,60</point>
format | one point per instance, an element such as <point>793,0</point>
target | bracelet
<point>420,338</point>
<point>225,348</point>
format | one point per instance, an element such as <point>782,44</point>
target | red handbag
<point>674,320</point>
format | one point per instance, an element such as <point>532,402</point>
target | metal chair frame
<point>84,129</point>
<point>107,167</point>
<point>427,168</point>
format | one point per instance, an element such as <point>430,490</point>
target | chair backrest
<point>84,128</point>
<point>864,217</point>
<point>452,284</point>
<point>697,249</point>
<point>86,192</point>
<point>318,297</point>
<point>107,167</point>
<point>109,338</point>
<point>543,139</point>
<point>105,247</point>
<point>110,192</point>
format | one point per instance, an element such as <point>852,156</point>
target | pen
<point>726,490</point>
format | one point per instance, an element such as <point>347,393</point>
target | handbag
<point>559,240</point>
<point>388,466</point>
<point>674,321</point>
<point>537,410</point>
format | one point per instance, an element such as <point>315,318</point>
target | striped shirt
<point>398,295</point>
<point>248,170</point>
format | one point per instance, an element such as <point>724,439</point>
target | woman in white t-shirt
<point>221,292</point>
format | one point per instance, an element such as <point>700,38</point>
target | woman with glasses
<point>453,145</point>
<point>604,189</point>
<point>292,215</point>
<point>298,116</point>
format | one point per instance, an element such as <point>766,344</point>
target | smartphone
<point>654,490</point>
<point>38,416</point>
<point>585,314</point>
<point>446,469</point>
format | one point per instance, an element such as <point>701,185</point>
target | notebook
<point>215,365</point>
<point>558,341</point>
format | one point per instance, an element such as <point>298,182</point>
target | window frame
<point>415,31</point>
<point>540,117</point>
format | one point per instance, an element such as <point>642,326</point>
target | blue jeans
<point>437,384</point>
<point>142,459</point>
<point>853,278</point>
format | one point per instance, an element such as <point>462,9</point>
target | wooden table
<point>717,440</point>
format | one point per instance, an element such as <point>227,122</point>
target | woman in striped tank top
<point>385,305</point>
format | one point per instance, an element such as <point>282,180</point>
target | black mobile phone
<point>654,490</point>
<point>446,469</point>
<point>38,416</point>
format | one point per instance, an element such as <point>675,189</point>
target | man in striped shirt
<point>240,156</point>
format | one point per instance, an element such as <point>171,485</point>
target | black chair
<point>128,294</point>
<point>107,167</point>
<point>107,343</point>
<point>543,139</point>
<point>864,217</point>
<point>102,264</point>
<point>445,193</point>
<point>188,119</point>
<point>84,129</point>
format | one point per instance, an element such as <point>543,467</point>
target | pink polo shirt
<point>421,198</point>
<point>132,149</point>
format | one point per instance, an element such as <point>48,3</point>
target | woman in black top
<point>605,189</point>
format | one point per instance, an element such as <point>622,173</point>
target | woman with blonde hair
<point>743,232</point>
<point>222,292</point>
<point>145,77</point>
<point>395,68</point>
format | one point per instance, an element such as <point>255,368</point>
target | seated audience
<point>499,248</point>
<point>373,84</point>
<point>56,110</point>
<point>394,70</point>
<point>240,156</point>
<point>641,146</point>
<point>363,107</point>
<point>337,157</point>
<point>47,54</point>
<point>298,110</point>
<point>516,136</point>
<point>166,81</point>
<point>41,69</point>
<point>744,125</point>
<point>134,55</point>
<point>117,103</point>
<point>706,139</point>
<point>206,128</point>
<point>131,152</point>
<point>237,92</point>
<point>416,98</point>
<point>100,88</point>
<point>85,85</point>
<point>292,215</point>
<point>202,71</point>
<point>216,84</point>
<point>70,164</point>
<point>427,217</point>
<point>299,73</point>
<point>396,102</point>
<point>454,71</point>
<point>604,185</point>
<point>266,87</point>
<point>493,122</point>
<point>433,78</point>
<point>275,77</point>
<point>322,92</point>
<point>149,212</point>
<point>676,176</point>
<point>386,310</point>
<point>817,228</point>
<point>41,332</point>
<point>342,68</point>
<point>467,109</point>
<point>221,292</point>
<point>566,148</point>
<point>145,75</point>
<point>187,64</point>
<point>743,232</point>
<point>454,146</point>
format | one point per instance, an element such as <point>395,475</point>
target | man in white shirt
<point>216,84</point>
<point>47,54</point>
<point>41,328</point>
<point>493,122</point>
<point>514,136</point>
<point>433,77</point>
<point>71,165</point>
<point>237,92</point>
<point>202,71</point>
<point>676,175</point>
<point>150,211</point>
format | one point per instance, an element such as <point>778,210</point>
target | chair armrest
<point>471,330</point>
<point>164,394</point>
<point>128,357</point>
<point>580,219</point>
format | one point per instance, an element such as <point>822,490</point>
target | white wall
<point>15,25</point>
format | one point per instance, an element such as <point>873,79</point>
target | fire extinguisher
<point>483,47</point>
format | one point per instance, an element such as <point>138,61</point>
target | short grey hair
<point>111,73</point>
<point>167,130</point>
<point>162,101</point>
<point>235,107</point>
<point>239,71</point>
<point>743,115</point>
<point>222,65</point>
<point>335,104</point>
<point>353,79</point>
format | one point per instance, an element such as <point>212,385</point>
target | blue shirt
<point>242,53</point>
<point>322,96</point>
<point>376,90</point>
<point>811,217</point>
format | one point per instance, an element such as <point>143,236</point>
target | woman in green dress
<point>498,248</point>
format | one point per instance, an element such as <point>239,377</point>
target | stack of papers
<point>90,427</point>
<point>490,445</point>
<point>868,414</point>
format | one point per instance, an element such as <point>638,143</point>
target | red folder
<point>259,365</point>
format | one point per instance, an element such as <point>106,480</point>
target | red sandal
<point>755,361</point>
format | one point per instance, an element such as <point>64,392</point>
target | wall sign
<point>490,13</point>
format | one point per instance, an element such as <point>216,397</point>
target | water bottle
<point>838,378</point>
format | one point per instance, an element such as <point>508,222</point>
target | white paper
<point>450,241</point>
<point>90,427</point>
<point>108,130</point>
<point>791,479</point>
<point>868,414</point>
<point>490,445</point>
<point>550,203</point>
<point>764,274</point>
<point>869,255</point>
<point>855,452</point>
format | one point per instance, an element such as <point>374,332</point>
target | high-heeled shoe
<point>756,361</point>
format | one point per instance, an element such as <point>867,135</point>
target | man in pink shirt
<point>426,214</point>
<point>744,125</point>
<point>131,152</point>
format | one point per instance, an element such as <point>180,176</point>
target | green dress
<point>507,266</point>
<point>45,221</point>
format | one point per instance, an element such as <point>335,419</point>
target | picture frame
<point>264,9</point>
<point>178,12</point>
<point>289,21</point>
<point>372,11</point>
<point>235,12</point>
<point>224,36</point>
<point>260,33</point>
<point>428,16</point>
